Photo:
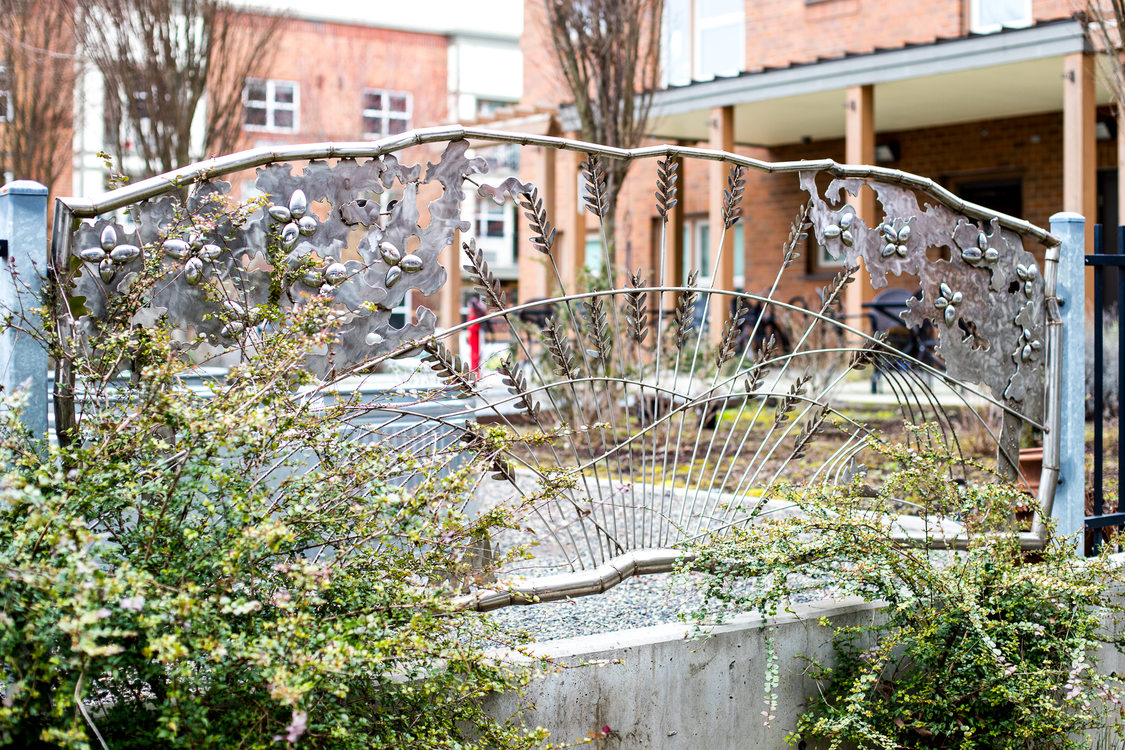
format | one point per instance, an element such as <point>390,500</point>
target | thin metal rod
<point>1099,372</point>
<point>1120,366</point>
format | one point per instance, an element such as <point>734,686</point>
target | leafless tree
<point>608,52</point>
<point>160,60</point>
<point>1105,22</point>
<point>36,87</point>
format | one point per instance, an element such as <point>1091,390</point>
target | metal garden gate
<point>659,434</point>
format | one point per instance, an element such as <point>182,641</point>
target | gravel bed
<point>634,603</point>
<point>637,602</point>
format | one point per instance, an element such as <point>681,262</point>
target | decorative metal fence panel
<point>657,430</point>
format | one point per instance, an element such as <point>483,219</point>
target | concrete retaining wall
<point>661,688</point>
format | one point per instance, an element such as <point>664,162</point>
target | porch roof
<point>981,76</point>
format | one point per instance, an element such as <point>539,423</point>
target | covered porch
<point>1009,120</point>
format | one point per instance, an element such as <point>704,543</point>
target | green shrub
<point>234,569</point>
<point>991,647</point>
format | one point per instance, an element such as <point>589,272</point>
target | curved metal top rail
<point>223,165</point>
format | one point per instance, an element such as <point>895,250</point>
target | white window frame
<point>672,34</point>
<point>487,212</point>
<point>385,114</point>
<point>699,244</point>
<point>593,253</point>
<point>689,32</point>
<point>701,24</point>
<point>499,250</point>
<point>271,105</point>
<point>975,25</point>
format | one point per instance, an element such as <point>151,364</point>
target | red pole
<point>476,309</point>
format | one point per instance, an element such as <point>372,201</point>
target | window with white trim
<point>719,38</point>
<point>495,229</point>
<point>386,112</point>
<point>270,105</point>
<point>697,249</point>
<point>702,39</point>
<point>491,219</point>
<point>988,16</point>
<point>5,95</point>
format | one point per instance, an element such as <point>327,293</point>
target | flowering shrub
<point>192,578</point>
<point>226,570</point>
<point>991,647</point>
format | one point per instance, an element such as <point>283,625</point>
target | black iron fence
<point>1107,303</point>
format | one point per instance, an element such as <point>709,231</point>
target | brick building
<point>345,72</point>
<point>342,72</point>
<point>997,100</point>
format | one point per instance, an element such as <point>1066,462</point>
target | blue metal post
<point>23,360</point>
<point>1069,509</point>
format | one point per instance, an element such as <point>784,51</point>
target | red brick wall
<point>334,62</point>
<point>787,31</point>
<point>1027,148</point>
<point>779,33</point>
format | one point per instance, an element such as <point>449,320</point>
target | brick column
<point>536,277</point>
<point>1079,145</point>
<point>674,242</point>
<point>451,292</point>
<point>571,255</point>
<point>721,126</point>
<point>859,148</point>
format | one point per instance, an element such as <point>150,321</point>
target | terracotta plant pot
<point>1031,467</point>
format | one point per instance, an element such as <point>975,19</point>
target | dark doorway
<point>1004,195</point>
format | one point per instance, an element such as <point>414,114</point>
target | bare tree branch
<point>1103,27</point>
<point>37,52</point>
<point>608,54</point>
<point>160,59</point>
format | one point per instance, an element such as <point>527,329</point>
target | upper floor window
<point>488,107</point>
<point>993,15</point>
<point>270,104</point>
<point>702,39</point>
<point>491,219</point>
<point>5,95</point>
<point>386,112</point>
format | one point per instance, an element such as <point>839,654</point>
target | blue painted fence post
<point>23,360</point>
<point>1069,509</point>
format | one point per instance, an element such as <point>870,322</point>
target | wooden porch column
<point>451,292</point>
<point>674,242</point>
<point>536,276</point>
<point>721,126</point>
<point>571,255</point>
<point>1079,146</point>
<point>859,148</point>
